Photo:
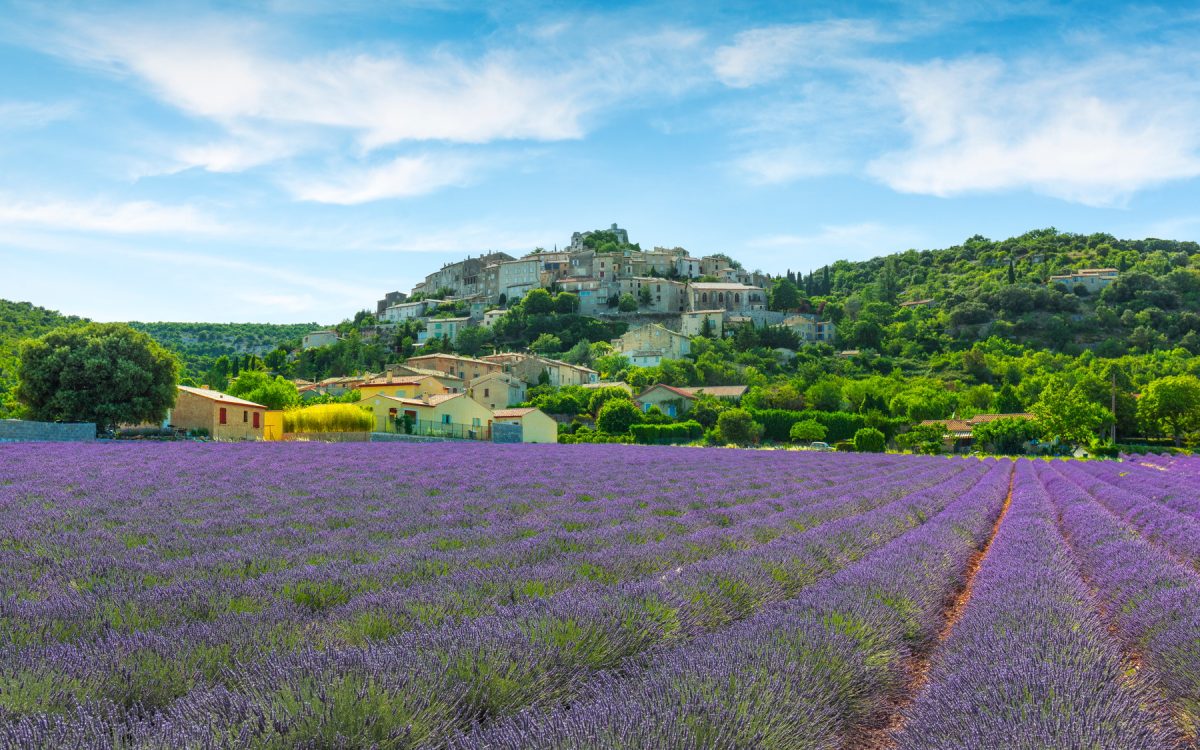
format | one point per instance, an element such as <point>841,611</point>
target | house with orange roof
<point>402,386</point>
<point>675,401</point>
<point>224,417</point>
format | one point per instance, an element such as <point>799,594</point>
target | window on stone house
<point>245,416</point>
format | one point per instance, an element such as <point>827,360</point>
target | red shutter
<point>256,420</point>
<point>223,417</point>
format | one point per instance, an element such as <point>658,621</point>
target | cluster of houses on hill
<point>675,292</point>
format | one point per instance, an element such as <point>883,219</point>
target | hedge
<point>777,423</point>
<point>665,434</point>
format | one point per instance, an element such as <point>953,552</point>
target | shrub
<point>617,416</point>
<point>777,423</point>
<point>807,431</point>
<point>328,418</point>
<point>845,446</point>
<point>738,426</point>
<point>869,440</point>
<point>664,434</point>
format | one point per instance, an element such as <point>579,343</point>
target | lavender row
<point>499,663</point>
<point>432,587</point>
<point>1177,532</point>
<point>1153,601</point>
<point>808,673</point>
<point>1029,663</point>
<point>1170,483</point>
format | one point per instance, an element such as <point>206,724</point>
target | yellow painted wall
<point>536,427</point>
<point>273,425</point>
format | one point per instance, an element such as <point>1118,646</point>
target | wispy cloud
<point>765,54</point>
<point>403,177</point>
<point>835,241</point>
<point>1092,133</point>
<point>134,217</point>
<point>223,69</point>
<point>22,114</point>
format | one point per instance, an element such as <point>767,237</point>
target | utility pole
<point>1113,429</point>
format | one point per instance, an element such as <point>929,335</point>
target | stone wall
<point>19,431</point>
<point>506,433</point>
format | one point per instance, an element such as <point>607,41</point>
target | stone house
<point>666,296</point>
<point>225,417</point>
<point>498,390</point>
<point>466,368</point>
<point>734,297</point>
<point>649,345</point>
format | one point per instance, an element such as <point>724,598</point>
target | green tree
<point>627,303</point>
<point>257,386</point>
<point>601,396</point>
<point>537,302</point>
<point>547,343</point>
<point>105,373</point>
<point>825,395</point>
<point>737,426</point>
<point>617,415</point>
<point>923,438</point>
<point>806,431</point>
<point>1064,412</point>
<point>470,341</point>
<point>784,295</point>
<point>869,440</point>
<point>566,303</point>
<point>1171,405</point>
<point>1007,401</point>
<point>644,297</point>
<point>1005,436</point>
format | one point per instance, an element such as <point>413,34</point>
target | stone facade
<point>225,417</point>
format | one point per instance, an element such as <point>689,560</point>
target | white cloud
<point>222,70</point>
<point>837,241</point>
<point>775,166</point>
<point>403,177</point>
<point>134,217</point>
<point>22,114</point>
<point>761,55</point>
<point>1092,133</point>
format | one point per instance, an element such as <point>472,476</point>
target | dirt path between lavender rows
<point>917,667</point>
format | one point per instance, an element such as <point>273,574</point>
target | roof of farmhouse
<point>224,398</point>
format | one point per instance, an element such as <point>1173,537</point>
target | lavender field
<point>594,596</point>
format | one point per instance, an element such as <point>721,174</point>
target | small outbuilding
<point>536,425</point>
<point>224,417</point>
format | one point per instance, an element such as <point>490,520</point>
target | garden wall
<point>20,431</point>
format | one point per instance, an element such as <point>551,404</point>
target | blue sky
<point>294,160</point>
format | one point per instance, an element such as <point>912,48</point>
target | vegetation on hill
<point>19,321</point>
<point>200,344</point>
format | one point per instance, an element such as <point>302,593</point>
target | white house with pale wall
<point>318,338</point>
<point>1092,279</point>
<point>649,345</point>
<point>443,328</point>
<point>692,323</point>
<point>536,425</point>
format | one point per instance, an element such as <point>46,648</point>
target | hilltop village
<point>666,296</point>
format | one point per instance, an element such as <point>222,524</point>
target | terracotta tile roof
<point>964,426</point>
<point>224,398</point>
<point>397,380</point>
<point>508,413</point>
<point>720,391</point>
<point>434,400</point>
